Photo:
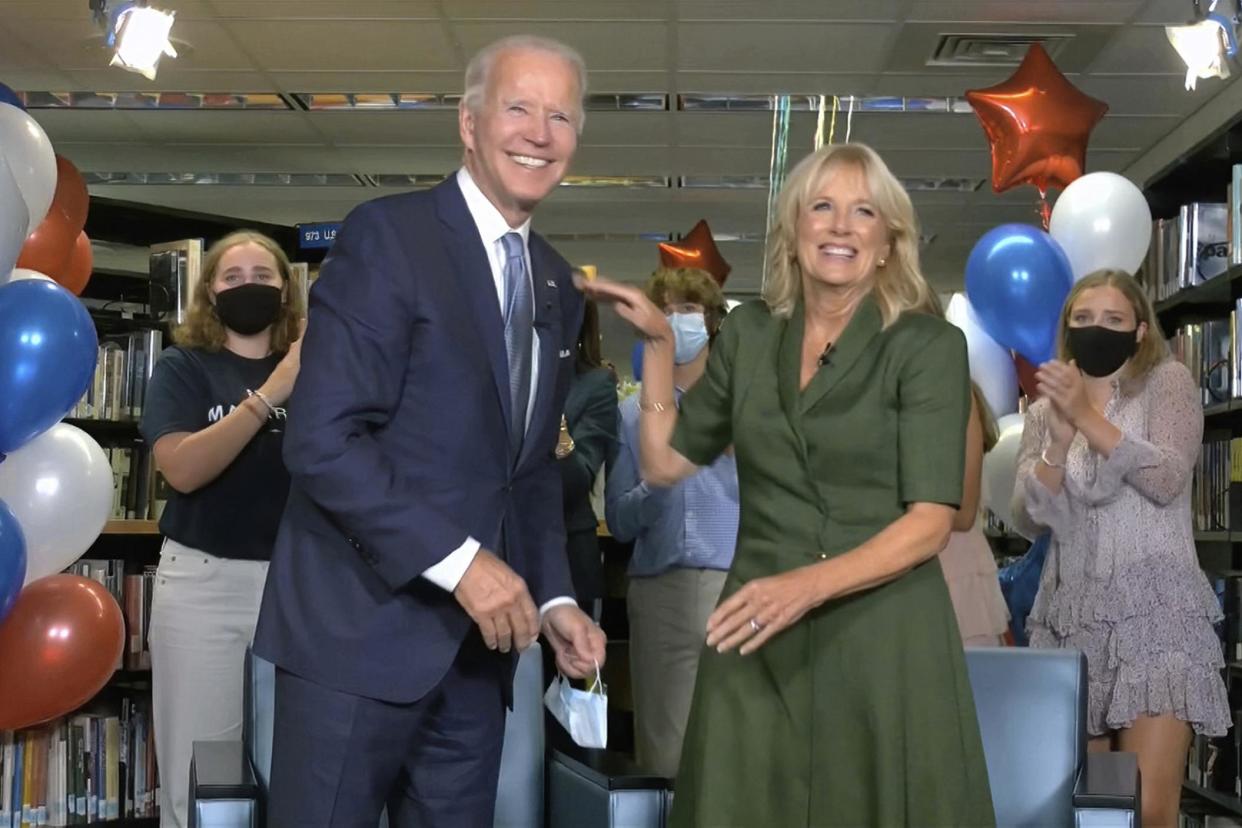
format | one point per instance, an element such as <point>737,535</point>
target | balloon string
<point>1045,211</point>
<point>849,120</point>
<point>832,128</point>
<point>776,168</point>
<point>819,123</point>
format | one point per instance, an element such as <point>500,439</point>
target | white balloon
<point>14,221</point>
<point>20,273</point>
<point>59,485</point>
<point>1000,468</point>
<point>991,364</point>
<point>1102,221</point>
<point>26,148</point>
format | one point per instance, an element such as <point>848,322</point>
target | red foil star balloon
<point>1038,124</point>
<point>696,249</point>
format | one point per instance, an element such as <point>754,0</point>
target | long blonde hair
<point>202,327</point>
<point>1152,350</point>
<point>899,284</point>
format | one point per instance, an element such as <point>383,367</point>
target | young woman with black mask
<point>1106,463</point>
<point>215,417</point>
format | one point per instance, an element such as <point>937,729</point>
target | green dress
<point>861,714</point>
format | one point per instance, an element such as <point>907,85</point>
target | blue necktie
<point>519,321</point>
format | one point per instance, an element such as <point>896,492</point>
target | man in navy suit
<point>423,544</point>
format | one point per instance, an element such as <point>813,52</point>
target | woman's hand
<point>761,609</point>
<point>279,384</point>
<point>631,304</point>
<point>1063,385</point>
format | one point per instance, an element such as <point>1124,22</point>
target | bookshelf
<point>1201,320</point>
<point>131,527</point>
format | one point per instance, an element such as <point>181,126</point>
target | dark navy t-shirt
<point>237,514</point>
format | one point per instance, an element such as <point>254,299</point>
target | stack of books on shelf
<point>139,491</point>
<point>1212,352</point>
<point>83,768</point>
<point>1216,490</point>
<point>122,369</point>
<point>1208,821</point>
<point>132,592</point>
<point>1186,251</point>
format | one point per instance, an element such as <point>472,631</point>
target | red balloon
<point>1026,377</point>
<point>47,249</point>
<point>77,271</point>
<point>1038,124</point>
<point>71,197</point>
<point>696,249</point>
<point>58,648</point>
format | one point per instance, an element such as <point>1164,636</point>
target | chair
<point>1032,709</point>
<point>228,780</point>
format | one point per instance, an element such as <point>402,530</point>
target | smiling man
<point>423,544</point>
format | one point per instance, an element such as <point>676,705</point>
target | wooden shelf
<point>127,822</point>
<point>121,428</point>
<point>1213,537</point>
<point>1218,798</point>
<point>131,527</point>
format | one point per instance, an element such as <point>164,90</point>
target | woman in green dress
<point>833,690</point>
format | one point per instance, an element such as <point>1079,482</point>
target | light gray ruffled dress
<point>1122,580</point>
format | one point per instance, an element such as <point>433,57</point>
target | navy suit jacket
<point>398,448</point>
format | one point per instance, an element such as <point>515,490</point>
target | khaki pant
<point>668,627</point>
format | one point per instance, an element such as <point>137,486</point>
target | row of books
<point>1186,251</point>
<point>139,491</point>
<point>1212,351</point>
<point>80,769</point>
<point>1208,821</point>
<point>133,592</point>
<point>123,367</point>
<point>1216,503</point>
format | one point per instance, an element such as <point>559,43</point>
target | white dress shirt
<point>492,228</point>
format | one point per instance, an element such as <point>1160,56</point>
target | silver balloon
<point>14,221</point>
<point>26,148</point>
<point>59,485</point>
<point>20,273</point>
<point>1000,468</point>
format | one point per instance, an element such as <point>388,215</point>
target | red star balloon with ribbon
<point>696,249</point>
<point>1038,124</point>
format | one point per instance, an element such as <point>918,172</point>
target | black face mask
<point>248,309</point>
<point>1099,351</point>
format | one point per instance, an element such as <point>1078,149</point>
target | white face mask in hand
<point>584,713</point>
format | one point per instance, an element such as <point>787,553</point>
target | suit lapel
<point>475,282</point>
<point>546,286</point>
<point>789,368</point>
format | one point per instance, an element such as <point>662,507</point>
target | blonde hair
<point>202,327</point>
<point>1152,349</point>
<point>899,284</point>
<point>987,420</point>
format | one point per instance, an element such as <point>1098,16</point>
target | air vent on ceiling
<point>991,49</point>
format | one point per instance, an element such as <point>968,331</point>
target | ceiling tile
<point>172,77</point>
<point>327,9</point>
<point>557,10</point>
<point>766,83</point>
<point>916,130</point>
<point>150,157</point>
<point>340,44</point>
<point>768,10</point>
<point>388,128</point>
<point>368,80</point>
<point>64,127</point>
<point>1140,50</point>
<point>223,127</point>
<point>1027,11</point>
<point>782,47</point>
<point>1147,94</point>
<point>1166,13</point>
<point>78,44</point>
<point>605,45</point>
<point>1121,132</point>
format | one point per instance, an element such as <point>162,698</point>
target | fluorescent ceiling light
<point>600,102</point>
<point>142,38</point>
<point>155,100</point>
<point>711,102</point>
<point>260,179</point>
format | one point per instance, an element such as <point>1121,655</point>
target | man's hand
<point>497,600</point>
<point>577,641</point>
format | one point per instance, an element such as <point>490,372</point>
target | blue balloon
<point>47,358</point>
<point>1017,278</point>
<point>12,560</point>
<point>8,96</point>
<point>636,360</point>
<point>1019,582</point>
